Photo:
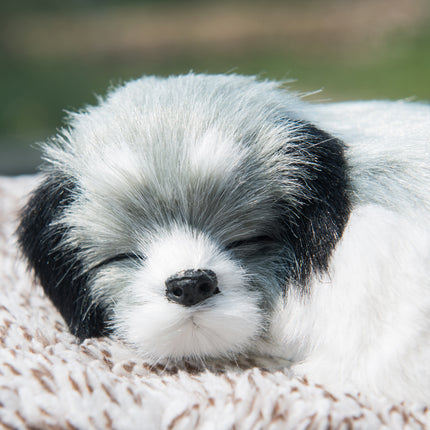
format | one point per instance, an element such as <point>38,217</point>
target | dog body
<point>201,217</point>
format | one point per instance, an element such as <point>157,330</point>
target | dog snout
<point>190,287</point>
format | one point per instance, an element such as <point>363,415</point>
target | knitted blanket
<point>48,380</point>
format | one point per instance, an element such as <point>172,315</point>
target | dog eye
<point>119,257</point>
<point>257,240</point>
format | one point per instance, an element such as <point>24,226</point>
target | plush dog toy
<point>200,217</point>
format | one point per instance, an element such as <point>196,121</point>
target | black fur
<point>319,223</point>
<point>57,267</point>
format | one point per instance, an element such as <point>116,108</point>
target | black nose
<point>190,287</point>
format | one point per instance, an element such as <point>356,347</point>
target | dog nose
<point>190,287</point>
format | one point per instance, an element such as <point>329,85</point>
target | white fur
<point>365,323</point>
<point>220,326</point>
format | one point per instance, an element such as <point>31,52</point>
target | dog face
<point>178,212</point>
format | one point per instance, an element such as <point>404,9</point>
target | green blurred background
<point>56,55</point>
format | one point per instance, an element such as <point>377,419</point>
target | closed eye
<point>257,240</point>
<point>119,257</point>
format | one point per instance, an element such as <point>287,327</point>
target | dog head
<point>178,211</point>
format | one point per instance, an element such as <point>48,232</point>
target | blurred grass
<point>35,92</point>
<point>36,89</point>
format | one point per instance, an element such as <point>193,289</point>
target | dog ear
<point>320,219</point>
<point>41,239</point>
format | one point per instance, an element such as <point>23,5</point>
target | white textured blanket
<point>48,380</point>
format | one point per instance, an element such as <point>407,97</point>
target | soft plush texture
<point>48,380</point>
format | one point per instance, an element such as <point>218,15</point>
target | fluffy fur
<point>313,217</point>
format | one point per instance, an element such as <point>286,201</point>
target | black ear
<point>319,222</point>
<point>55,264</point>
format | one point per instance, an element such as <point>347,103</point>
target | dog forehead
<point>176,176</point>
<point>159,122</point>
<point>192,149</point>
<point>116,148</point>
<point>184,175</point>
<point>168,163</point>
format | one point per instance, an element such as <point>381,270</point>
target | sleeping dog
<point>208,217</point>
